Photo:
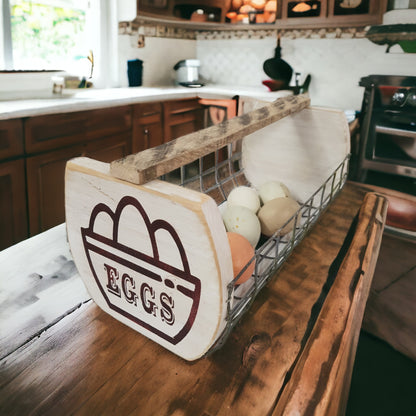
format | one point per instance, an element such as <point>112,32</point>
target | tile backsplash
<point>335,58</point>
<point>336,65</point>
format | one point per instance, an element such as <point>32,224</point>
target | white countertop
<point>79,100</point>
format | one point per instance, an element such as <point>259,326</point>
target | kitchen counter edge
<point>102,98</point>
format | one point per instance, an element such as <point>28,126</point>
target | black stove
<point>388,126</point>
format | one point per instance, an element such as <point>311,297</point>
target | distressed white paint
<point>197,222</point>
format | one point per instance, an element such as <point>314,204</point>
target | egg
<point>272,190</point>
<point>241,220</point>
<point>241,254</point>
<point>275,213</point>
<point>244,196</point>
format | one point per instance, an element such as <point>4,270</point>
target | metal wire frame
<point>217,178</point>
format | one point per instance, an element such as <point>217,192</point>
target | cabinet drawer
<point>109,148</point>
<point>56,130</point>
<point>147,110</point>
<point>61,130</point>
<point>181,117</point>
<point>108,121</point>
<point>181,106</point>
<point>11,138</point>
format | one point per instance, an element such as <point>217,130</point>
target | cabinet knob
<point>146,131</point>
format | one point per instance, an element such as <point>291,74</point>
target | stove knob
<point>399,97</point>
<point>411,97</point>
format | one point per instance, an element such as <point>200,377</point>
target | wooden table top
<point>292,351</point>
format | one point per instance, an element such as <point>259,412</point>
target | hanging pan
<point>278,69</point>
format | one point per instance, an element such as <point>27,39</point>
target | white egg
<point>272,190</point>
<point>241,220</point>
<point>245,197</point>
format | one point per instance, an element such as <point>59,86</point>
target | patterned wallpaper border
<point>165,31</point>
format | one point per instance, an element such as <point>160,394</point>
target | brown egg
<point>275,213</point>
<point>241,253</point>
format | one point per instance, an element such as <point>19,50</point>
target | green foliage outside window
<point>45,36</point>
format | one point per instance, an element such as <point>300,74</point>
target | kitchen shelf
<point>326,19</point>
<point>390,35</point>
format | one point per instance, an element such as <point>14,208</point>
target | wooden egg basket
<point>155,254</point>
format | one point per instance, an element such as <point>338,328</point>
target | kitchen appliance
<point>388,126</point>
<point>187,73</point>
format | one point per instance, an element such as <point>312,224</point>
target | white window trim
<point>6,37</point>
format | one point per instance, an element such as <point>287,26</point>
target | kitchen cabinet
<point>13,220</point>
<point>11,138</point>
<point>46,187</point>
<point>156,123</point>
<point>46,177</point>
<point>34,152</point>
<point>147,129</point>
<point>51,140</point>
<point>182,117</point>
<point>110,148</point>
<point>43,133</point>
<point>290,14</point>
<point>183,9</point>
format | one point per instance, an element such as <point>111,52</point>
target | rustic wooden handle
<point>149,164</point>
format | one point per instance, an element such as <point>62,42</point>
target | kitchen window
<point>43,35</point>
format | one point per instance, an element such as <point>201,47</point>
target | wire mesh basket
<point>155,253</point>
<point>217,176</point>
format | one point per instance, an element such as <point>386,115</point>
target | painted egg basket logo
<point>157,296</point>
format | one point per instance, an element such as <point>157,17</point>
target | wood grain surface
<point>142,167</point>
<point>87,363</point>
<point>315,387</point>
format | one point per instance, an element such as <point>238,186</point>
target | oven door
<point>391,143</point>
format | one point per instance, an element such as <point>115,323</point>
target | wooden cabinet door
<point>54,131</point>
<point>147,126</point>
<point>13,216</point>
<point>148,135</point>
<point>109,148</point>
<point>46,177</point>
<point>46,187</point>
<point>181,117</point>
<point>11,138</point>
<point>366,12</point>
